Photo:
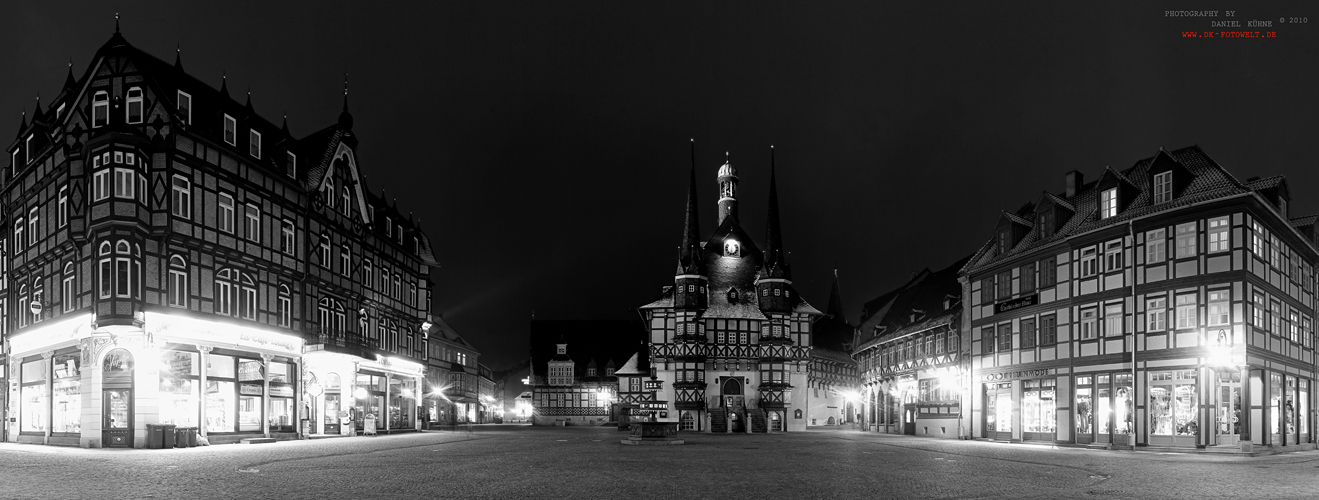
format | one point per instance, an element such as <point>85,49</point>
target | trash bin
<point>155,436</point>
<point>190,434</point>
<point>167,431</point>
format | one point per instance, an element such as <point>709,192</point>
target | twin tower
<point>729,270</point>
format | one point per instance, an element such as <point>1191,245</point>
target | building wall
<point>1175,393</point>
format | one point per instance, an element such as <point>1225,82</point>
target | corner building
<point>171,257</point>
<point>730,340</point>
<point>1166,305</point>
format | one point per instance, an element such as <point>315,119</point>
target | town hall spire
<point>727,190</point>
<point>776,262</point>
<point>690,260</point>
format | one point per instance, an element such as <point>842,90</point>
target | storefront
<point>79,385</point>
<point>1024,405</point>
<point>354,389</point>
<point>1104,408</point>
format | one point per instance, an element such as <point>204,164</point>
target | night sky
<point>545,145</point>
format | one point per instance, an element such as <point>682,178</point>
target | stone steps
<point>257,440</point>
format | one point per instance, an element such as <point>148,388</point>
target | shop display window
<point>1173,403</point>
<point>1124,404</point>
<point>221,406</point>
<point>249,409</point>
<point>34,413</point>
<point>280,372</point>
<point>1084,406</point>
<point>1275,403</point>
<point>220,366</point>
<point>180,402</point>
<point>1037,406</point>
<point>66,394</point>
<point>1303,421</point>
<point>280,415</point>
<point>1289,409</point>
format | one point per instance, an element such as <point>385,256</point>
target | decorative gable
<point>1168,178</point>
<point>1117,185</point>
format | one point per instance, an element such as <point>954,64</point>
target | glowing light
<point>360,393</point>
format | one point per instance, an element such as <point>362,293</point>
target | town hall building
<point>730,340</point>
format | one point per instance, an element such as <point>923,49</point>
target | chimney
<point>1073,181</point>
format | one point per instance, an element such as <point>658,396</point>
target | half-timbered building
<point>731,338</point>
<point>173,257</point>
<point>1168,304</point>
<point>912,359</point>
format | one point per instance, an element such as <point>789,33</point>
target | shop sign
<point>653,405</point>
<point>249,389</point>
<point>1017,303</point>
<point>654,385</point>
<point>991,377</point>
<point>63,331</point>
<point>164,325</point>
<point>283,391</point>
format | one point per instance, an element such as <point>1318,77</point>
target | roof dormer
<point>1051,214</point>
<point>1168,178</point>
<point>1009,231</point>
<point>1113,193</point>
<point>1274,190</point>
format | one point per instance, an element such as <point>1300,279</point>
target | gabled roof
<point>928,294</point>
<point>441,330</point>
<point>1208,181</point>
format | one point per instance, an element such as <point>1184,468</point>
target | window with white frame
<point>367,277</point>
<point>105,267</point>
<point>345,260</point>
<point>64,206</point>
<point>33,226</point>
<point>181,198</point>
<point>185,107</point>
<point>325,251</point>
<point>1113,256</point>
<point>287,239</point>
<point>328,193</point>
<point>100,109</point>
<point>38,293</point>
<point>291,168</point>
<point>1218,308</point>
<point>69,290</point>
<point>1275,318</point>
<point>285,306</point>
<point>1218,234</point>
<point>100,180</point>
<point>1275,245</point>
<point>1089,323</point>
<point>1108,203</point>
<point>178,281</point>
<point>133,109</point>
<point>254,144</point>
<point>1113,323</point>
<point>1089,262</point>
<point>1186,314</point>
<point>121,274</point>
<point>124,180</point>
<point>1293,325</point>
<point>1156,245</point>
<point>1156,315</point>
<point>22,299</point>
<point>1257,237</point>
<point>253,227</point>
<point>398,286</point>
<point>230,130</point>
<point>1259,311</point>
<point>226,215</point>
<point>1186,240</point>
<point>1162,187</point>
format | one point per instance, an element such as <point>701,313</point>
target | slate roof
<point>1208,181</point>
<point>926,292</point>
<point>832,355</point>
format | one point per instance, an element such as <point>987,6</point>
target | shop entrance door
<point>1085,410</point>
<point>909,419</point>
<point>1104,403</point>
<point>117,428</point>
<point>1229,409</point>
<point>998,411</point>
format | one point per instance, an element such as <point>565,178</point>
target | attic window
<point>254,144</point>
<point>1046,223</point>
<point>230,130</point>
<point>185,107</point>
<point>1004,241</point>
<point>292,168</point>
<point>590,372</point>
<point>133,113</point>
<point>1108,203</point>
<point>1162,187</point>
<point>100,109</point>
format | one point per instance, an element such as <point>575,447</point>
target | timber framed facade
<point>171,257</point>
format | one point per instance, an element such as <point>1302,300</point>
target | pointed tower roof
<point>345,118</point>
<point>22,122</point>
<point>70,82</point>
<point>224,85</point>
<point>776,262</point>
<point>835,308</point>
<point>690,260</point>
<point>178,58</point>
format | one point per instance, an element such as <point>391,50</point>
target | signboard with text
<point>1017,303</point>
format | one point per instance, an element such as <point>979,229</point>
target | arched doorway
<point>775,422</point>
<point>688,421</point>
<point>909,412</point>
<point>733,401</point>
<point>117,399</point>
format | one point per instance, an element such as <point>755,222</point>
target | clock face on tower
<point>731,248</point>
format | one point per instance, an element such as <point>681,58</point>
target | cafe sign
<point>1017,303</point>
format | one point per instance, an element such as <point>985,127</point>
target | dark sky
<point>545,145</point>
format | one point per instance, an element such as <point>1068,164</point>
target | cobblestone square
<point>589,462</point>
